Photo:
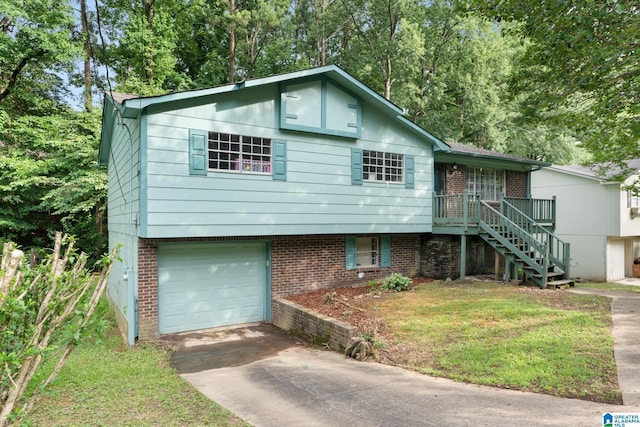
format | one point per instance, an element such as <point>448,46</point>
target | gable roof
<point>470,154</point>
<point>130,106</point>
<point>598,172</point>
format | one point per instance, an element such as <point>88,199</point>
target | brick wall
<point>456,180</point>
<point>516,184</point>
<point>440,256</point>
<point>147,289</point>
<point>298,264</point>
<point>304,263</point>
<point>311,326</point>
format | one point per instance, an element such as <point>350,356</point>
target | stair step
<point>561,284</point>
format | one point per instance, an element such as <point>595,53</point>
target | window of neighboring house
<point>367,252</point>
<point>382,167</point>
<point>633,201</point>
<point>488,183</point>
<point>239,153</point>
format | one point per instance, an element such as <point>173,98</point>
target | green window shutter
<point>279,160</point>
<point>409,174</point>
<point>385,251</point>
<point>356,166</point>
<point>197,152</point>
<point>350,251</point>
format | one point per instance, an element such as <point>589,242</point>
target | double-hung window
<point>488,183</point>
<point>382,167</point>
<point>367,252</point>
<point>239,153</point>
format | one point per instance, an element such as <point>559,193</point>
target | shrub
<point>396,282</point>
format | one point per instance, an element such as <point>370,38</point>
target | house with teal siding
<point>222,199</point>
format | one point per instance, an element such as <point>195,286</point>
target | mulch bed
<point>349,305</point>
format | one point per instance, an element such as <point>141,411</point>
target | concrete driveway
<point>286,383</point>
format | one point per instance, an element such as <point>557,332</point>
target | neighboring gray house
<point>597,216</point>
<point>225,198</point>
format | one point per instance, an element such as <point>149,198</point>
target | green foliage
<point>396,282</point>
<point>49,180</point>
<point>579,68</point>
<point>556,343</point>
<point>35,44</point>
<point>112,381</point>
<point>44,308</point>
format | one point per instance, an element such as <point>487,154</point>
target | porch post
<point>463,257</point>
<point>508,268</point>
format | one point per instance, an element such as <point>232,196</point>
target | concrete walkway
<point>300,386</point>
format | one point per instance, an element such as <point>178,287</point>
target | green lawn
<point>112,384</point>
<point>508,336</point>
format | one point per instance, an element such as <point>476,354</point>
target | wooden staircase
<point>527,246</point>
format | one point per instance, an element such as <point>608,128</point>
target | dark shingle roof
<point>472,150</point>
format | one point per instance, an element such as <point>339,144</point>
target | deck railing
<point>557,250</point>
<point>542,211</point>
<point>463,209</point>
<point>456,209</point>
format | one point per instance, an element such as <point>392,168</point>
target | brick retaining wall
<point>310,325</point>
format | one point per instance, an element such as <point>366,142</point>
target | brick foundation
<point>298,264</point>
<point>440,256</point>
<point>147,289</point>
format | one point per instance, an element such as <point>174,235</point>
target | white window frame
<point>633,201</point>
<point>367,252</point>
<point>486,182</point>
<point>228,152</point>
<point>379,166</point>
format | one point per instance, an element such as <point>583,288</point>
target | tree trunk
<point>232,42</point>
<point>88,99</point>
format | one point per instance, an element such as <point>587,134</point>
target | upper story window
<point>488,183</point>
<point>383,167</point>
<point>239,153</point>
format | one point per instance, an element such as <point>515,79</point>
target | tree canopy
<point>580,67</point>
<point>534,79</point>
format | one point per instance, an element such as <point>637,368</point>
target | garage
<point>206,285</point>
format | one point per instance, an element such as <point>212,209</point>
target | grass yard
<point>514,337</point>
<point>111,384</point>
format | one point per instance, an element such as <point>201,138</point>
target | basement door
<point>205,285</point>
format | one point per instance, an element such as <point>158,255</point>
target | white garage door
<point>208,285</point>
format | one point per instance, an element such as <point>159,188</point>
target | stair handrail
<point>505,223</point>
<point>557,248</point>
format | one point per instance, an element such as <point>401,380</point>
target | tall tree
<point>251,26</point>
<point>583,59</point>
<point>388,40</point>
<point>320,30</point>
<point>143,40</point>
<point>88,55</point>
<point>35,44</point>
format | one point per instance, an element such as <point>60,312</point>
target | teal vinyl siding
<point>320,106</point>
<point>317,196</point>
<point>124,216</point>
